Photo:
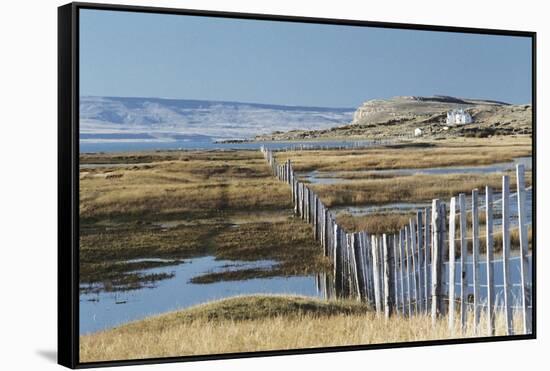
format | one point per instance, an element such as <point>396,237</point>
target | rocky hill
<point>400,116</point>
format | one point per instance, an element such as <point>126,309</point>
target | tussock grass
<point>265,323</point>
<point>374,223</point>
<point>195,182</point>
<point>464,152</point>
<point>412,188</point>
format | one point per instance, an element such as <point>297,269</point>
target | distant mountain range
<point>156,119</point>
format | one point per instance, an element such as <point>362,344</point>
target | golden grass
<point>374,223</point>
<point>286,323</point>
<point>457,152</point>
<point>202,184</point>
<point>412,188</point>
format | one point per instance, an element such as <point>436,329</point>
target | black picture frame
<point>68,180</point>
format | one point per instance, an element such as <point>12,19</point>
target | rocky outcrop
<point>400,116</point>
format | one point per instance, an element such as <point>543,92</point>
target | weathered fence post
<point>387,276</point>
<point>288,172</point>
<point>524,249</point>
<point>420,261</point>
<point>442,253</point>
<point>506,254</point>
<point>427,257</point>
<point>307,199</point>
<point>452,229</point>
<point>354,266</point>
<point>489,255</point>
<point>376,274</point>
<point>408,261</point>
<point>338,260</point>
<point>436,260</point>
<point>395,274</point>
<point>360,264</point>
<point>402,270</point>
<point>475,255</point>
<point>315,217</point>
<point>413,255</point>
<point>463,255</point>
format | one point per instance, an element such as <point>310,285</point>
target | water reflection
<point>103,310</point>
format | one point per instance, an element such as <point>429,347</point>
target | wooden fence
<point>416,271</point>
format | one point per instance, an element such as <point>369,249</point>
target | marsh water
<point>405,207</point>
<point>317,177</point>
<point>102,310</point>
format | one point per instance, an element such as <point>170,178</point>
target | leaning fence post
<point>490,274</point>
<point>523,248</point>
<point>354,264</point>
<point>436,260</point>
<point>506,253</point>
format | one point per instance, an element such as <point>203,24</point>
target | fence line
<point>404,273</point>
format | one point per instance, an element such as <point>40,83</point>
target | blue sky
<point>158,55</point>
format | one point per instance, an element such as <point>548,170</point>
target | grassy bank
<point>261,323</point>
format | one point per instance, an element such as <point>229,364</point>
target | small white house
<point>458,117</point>
<point>418,132</point>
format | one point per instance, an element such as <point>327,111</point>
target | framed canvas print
<point>236,185</point>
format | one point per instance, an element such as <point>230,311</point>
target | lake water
<point>103,310</point>
<point>128,146</point>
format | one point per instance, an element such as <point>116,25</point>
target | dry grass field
<point>246,324</point>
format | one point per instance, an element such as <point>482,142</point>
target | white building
<point>458,116</point>
<point>417,132</point>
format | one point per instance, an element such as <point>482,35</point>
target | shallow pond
<point>103,310</point>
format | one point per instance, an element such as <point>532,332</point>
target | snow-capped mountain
<point>118,118</point>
